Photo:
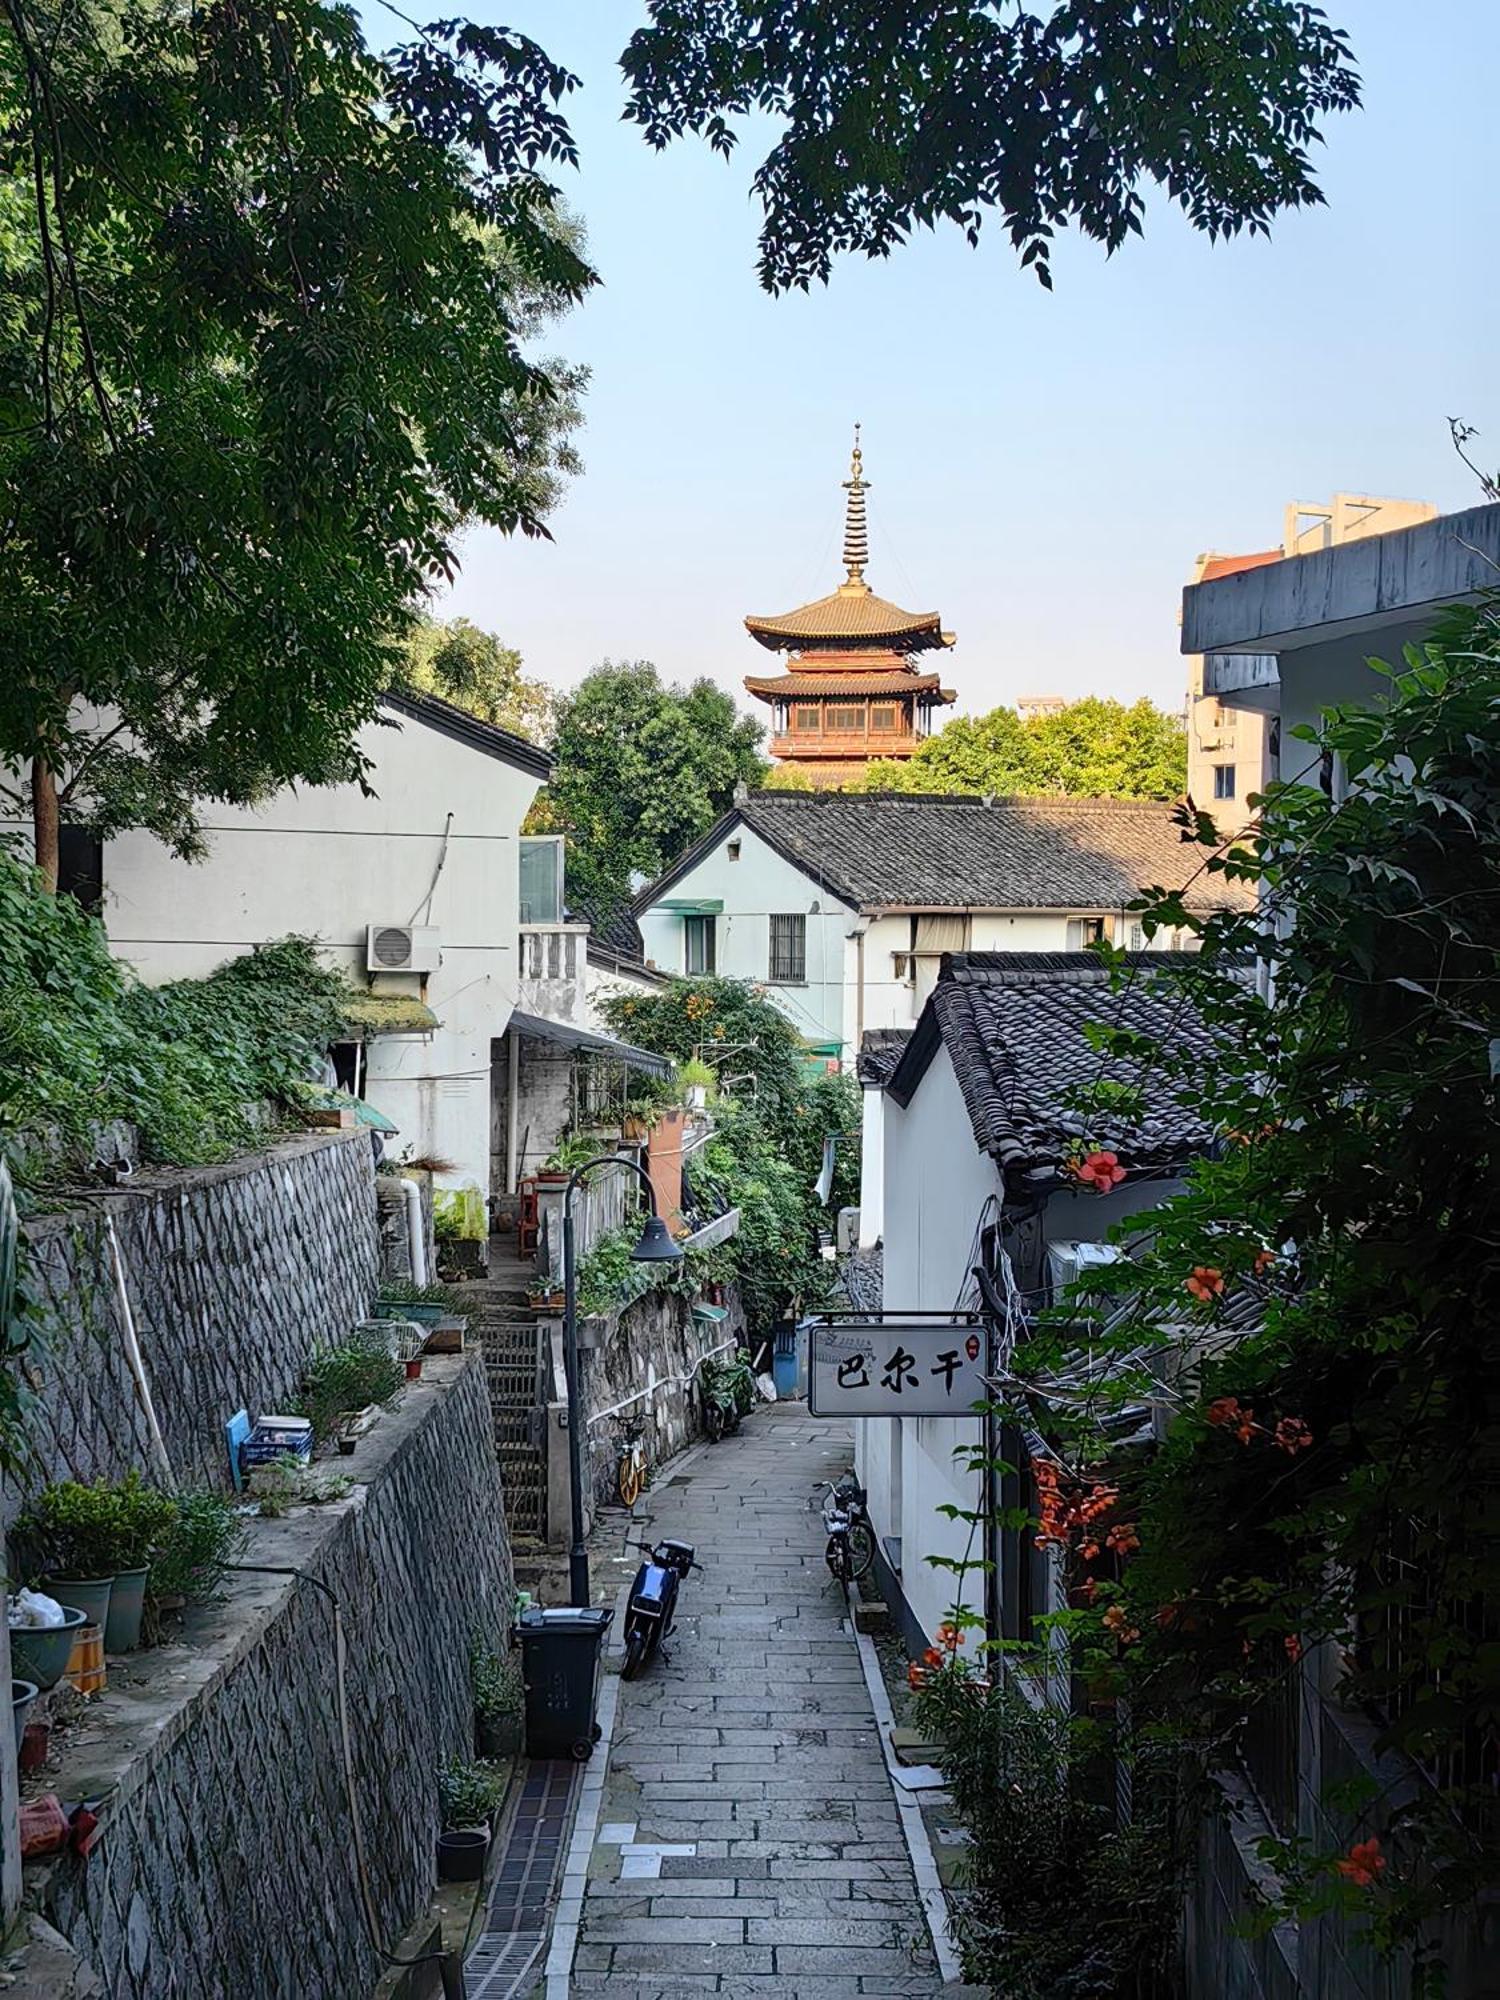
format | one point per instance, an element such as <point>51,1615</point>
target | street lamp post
<point>656,1246</point>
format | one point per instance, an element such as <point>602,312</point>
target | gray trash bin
<point>560,1651</point>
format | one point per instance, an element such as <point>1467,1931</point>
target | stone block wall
<point>226,1867</point>
<point>234,1275</point>
<point>655,1346</point>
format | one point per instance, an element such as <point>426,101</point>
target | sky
<point>1044,467</point>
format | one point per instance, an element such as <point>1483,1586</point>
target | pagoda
<point>853,690</point>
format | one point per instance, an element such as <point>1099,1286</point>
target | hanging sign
<point>894,1368</point>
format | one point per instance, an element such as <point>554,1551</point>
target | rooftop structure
<point>1015,1027</point>
<point>852,692</point>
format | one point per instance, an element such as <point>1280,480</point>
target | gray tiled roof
<point>880,1050</point>
<point>894,850</point>
<point>1014,1025</point>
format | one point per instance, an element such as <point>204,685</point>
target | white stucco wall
<point>871,1168</point>
<point>751,889</point>
<point>328,862</point>
<point>936,1183</point>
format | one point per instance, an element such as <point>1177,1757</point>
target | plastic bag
<point>29,1607</point>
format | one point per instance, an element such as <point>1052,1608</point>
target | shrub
<point>205,1539</point>
<point>360,1371</point>
<point>497,1681</point>
<point>99,1530</point>
<point>469,1793</point>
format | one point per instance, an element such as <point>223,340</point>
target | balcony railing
<point>552,970</point>
<point>846,743</point>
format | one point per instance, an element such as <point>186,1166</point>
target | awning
<point>691,906</point>
<point>320,1097</point>
<point>370,1014</point>
<point>564,1036</point>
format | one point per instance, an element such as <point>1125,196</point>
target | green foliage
<point>497,1681</point>
<point>1058,1901</point>
<point>773,1111</point>
<point>471,668</point>
<point>346,1378</point>
<point>1094,748</point>
<point>1326,1482</point>
<point>87,1531</point>
<point>642,770</point>
<point>575,1150</point>
<point>895,118</point>
<point>260,364</point>
<point>402,1292</point>
<point>207,1536</point>
<point>189,1064</point>
<point>469,1792</point>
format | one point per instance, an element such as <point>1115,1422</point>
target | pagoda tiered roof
<point>852,615</point>
<point>849,680</point>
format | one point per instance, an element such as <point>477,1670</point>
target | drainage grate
<point>503,1962</point>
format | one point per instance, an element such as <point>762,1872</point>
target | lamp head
<point>657,1245</point>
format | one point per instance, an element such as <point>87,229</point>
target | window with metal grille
<point>788,965</point>
<point>1223,781</point>
<point>699,946</point>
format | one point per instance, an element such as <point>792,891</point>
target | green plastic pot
<point>23,1696</point>
<point>127,1602</point>
<point>40,1653</point>
<point>89,1594</point>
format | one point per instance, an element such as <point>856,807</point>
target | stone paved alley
<point>751,1757</point>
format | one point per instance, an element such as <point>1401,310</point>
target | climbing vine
<point>1313,1323</point>
<point>190,1065</point>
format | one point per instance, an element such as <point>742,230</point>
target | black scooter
<point>653,1602</point>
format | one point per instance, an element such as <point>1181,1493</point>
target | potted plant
<point>111,1529</point>
<point>573,1151</point>
<point>341,1380</point>
<point>204,1540</point>
<point>497,1701</point>
<point>468,1795</point>
<point>695,1080</point>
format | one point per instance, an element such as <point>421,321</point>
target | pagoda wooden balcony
<point>845,745</point>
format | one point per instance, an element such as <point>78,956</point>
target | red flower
<point>1122,1538</point>
<point>932,1657</point>
<point>1116,1620</point>
<point>1264,1259</point>
<point>1293,1435</point>
<point>1100,1170</point>
<point>1223,1410</point>
<point>950,1636</point>
<point>916,1675</point>
<point>1206,1282</point>
<point>1293,1647</point>
<point>1363,1864</point>
<point>1088,1590</point>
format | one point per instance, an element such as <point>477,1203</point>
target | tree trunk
<point>44,821</point>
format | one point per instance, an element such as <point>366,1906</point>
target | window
<point>788,965</point>
<point>1223,781</point>
<point>885,717</point>
<point>80,866</point>
<point>541,878</point>
<point>699,946</point>
<point>806,717</point>
<point>1137,938</point>
<point>1084,931</point>
<point>848,715</point>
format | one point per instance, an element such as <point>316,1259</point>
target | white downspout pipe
<point>415,1237</point>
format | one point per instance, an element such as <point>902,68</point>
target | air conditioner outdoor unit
<point>401,948</point>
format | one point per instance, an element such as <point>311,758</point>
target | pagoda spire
<point>856,533</point>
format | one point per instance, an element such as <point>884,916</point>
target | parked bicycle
<point>630,1479</point>
<point>850,1549</point>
